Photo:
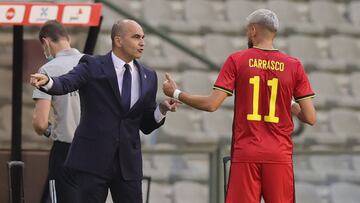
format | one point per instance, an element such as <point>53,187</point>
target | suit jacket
<point>104,125</point>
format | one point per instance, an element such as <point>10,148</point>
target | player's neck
<point>61,45</point>
<point>265,44</point>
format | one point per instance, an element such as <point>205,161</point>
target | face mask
<point>47,53</point>
<point>48,57</point>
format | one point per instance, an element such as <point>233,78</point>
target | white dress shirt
<point>135,83</point>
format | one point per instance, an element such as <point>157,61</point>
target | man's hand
<point>38,80</point>
<point>168,104</point>
<point>169,86</point>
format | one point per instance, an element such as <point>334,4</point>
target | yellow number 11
<point>255,116</point>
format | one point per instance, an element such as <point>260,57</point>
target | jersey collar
<point>265,49</point>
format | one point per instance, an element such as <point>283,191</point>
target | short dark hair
<point>118,28</point>
<point>54,30</point>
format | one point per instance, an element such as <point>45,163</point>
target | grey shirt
<point>66,107</point>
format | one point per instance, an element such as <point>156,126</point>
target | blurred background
<point>184,157</point>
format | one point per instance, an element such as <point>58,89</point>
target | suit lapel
<point>109,69</point>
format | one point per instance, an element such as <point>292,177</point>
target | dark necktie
<point>126,88</point>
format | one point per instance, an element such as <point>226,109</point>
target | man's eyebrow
<point>138,35</point>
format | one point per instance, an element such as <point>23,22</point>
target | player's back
<point>264,81</point>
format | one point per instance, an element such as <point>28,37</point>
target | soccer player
<point>264,81</point>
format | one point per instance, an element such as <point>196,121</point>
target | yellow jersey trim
<point>229,93</point>
<point>273,49</point>
<point>306,97</point>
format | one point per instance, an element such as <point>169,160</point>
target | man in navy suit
<point>118,98</point>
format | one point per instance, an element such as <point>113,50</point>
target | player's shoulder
<point>290,58</point>
<point>239,53</point>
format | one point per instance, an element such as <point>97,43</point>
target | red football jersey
<point>264,83</point>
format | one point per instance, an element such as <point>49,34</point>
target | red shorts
<point>249,181</point>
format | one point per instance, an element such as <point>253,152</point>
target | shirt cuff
<point>158,115</point>
<point>48,85</point>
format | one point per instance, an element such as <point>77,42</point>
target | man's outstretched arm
<point>66,83</point>
<point>205,103</point>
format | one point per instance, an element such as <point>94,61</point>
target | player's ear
<point>45,41</point>
<point>253,30</point>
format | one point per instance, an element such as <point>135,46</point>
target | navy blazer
<point>104,126</point>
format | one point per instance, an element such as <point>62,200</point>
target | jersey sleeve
<point>226,79</point>
<point>303,88</point>
<point>37,94</point>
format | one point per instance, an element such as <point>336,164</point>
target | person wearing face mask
<point>61,59</point>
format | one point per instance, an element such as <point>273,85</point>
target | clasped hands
<point>169,86</point>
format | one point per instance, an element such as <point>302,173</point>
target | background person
<point>62,58</point>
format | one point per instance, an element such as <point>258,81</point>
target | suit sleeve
<point>73,80</point>
<point>148,122</point>
<point>302,88</point>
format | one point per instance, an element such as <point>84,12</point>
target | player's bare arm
<point>305,111</point>
<point>205,103</point>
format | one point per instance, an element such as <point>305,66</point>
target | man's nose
<point>142,42</point>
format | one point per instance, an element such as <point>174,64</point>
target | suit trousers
<point>94,189</point>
